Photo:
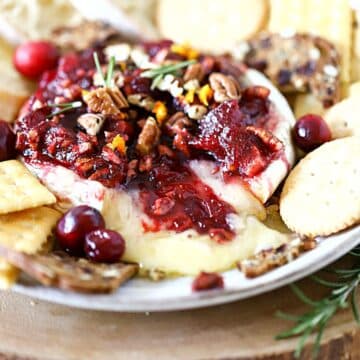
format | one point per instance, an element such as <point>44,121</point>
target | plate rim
<point>299,268</point>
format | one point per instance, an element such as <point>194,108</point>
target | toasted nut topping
<point>149,136</point>
<point>142,101</point>
<point>171,84</point>
<point>92,123</point>
<point>225,87</point>
<point>118,97</point>
<point>194,72</point>
<point>195,112</point>
<point>105,101</point>
<point>178,121</point>
<point>118,143</point>
<point>192,84</point>
<point>160,112</point>
<point>99,101</point>
<point>205,93</point>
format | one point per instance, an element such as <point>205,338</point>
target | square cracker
<point>20,190</point>
<point>27,230</point>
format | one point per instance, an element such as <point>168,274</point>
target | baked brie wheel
<point>179,150</point>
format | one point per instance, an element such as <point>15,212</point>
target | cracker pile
<point>25,220</point>
<point>26,237</point>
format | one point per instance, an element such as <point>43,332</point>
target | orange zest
<point>160,111</point>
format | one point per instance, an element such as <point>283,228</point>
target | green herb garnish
<point>64,107</point>
<point>110,70</point>
<point>158,74</point>
<point>342,295</point>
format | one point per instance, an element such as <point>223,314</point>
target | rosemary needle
<point>342,294</point>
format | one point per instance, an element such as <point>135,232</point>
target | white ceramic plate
<point>140,295</point>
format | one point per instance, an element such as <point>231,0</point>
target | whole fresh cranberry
<point>74,225</point>
<point>207,281</point>
<point>7,141</point>
<point>104,246</point>
<point>310,131</point>
<point>32,58</point>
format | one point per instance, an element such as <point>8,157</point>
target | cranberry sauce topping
<point>175,199</point>
<point>230,135</point>
<point>141,131</point>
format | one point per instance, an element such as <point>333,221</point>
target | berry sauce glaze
<point>234,134</point>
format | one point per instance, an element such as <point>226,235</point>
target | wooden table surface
<point>32,329</point>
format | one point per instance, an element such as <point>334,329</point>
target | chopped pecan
<point>106,101</point>
<point>194,72</point>
<point>118,97</point>
<point>99,101</point>
<point>177,122</point>
<point>92,123</point>
<point>225,87</point>
<point>149,136</point>
<point>141,100</point>
<point>195,112</point>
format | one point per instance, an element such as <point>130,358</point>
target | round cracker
<point>343,118</point>
<point>211,25</point>
<point>321,195</point>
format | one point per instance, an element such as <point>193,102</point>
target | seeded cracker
<point>20,190</point>
<point>322,194</point>
<point>69,273</point>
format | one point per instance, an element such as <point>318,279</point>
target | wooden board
<point>32,329</point>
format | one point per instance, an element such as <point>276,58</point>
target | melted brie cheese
<point>187,252</point>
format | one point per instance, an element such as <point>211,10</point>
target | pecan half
<point>149,136</point>
<point>224,87</point>
<point>194,72</point>
<point>92,123</point>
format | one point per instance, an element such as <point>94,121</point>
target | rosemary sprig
<point>157,74</point>
<point>64,107</point>
<point>110,70</point>
<point>342,295</point>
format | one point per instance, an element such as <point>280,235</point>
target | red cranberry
<point>7,142</point>
<point>75,224</point>
<point>104,246</point>
<point>310,131</point>
<point>207,281</point>
<point>34,57</point>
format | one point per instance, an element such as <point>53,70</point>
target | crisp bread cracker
<point>20,190</point>
<point>8,274</point>
<point>321,195</point>
<point>343,118</point>
<point>27,230</point>
<point>61,270</point>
